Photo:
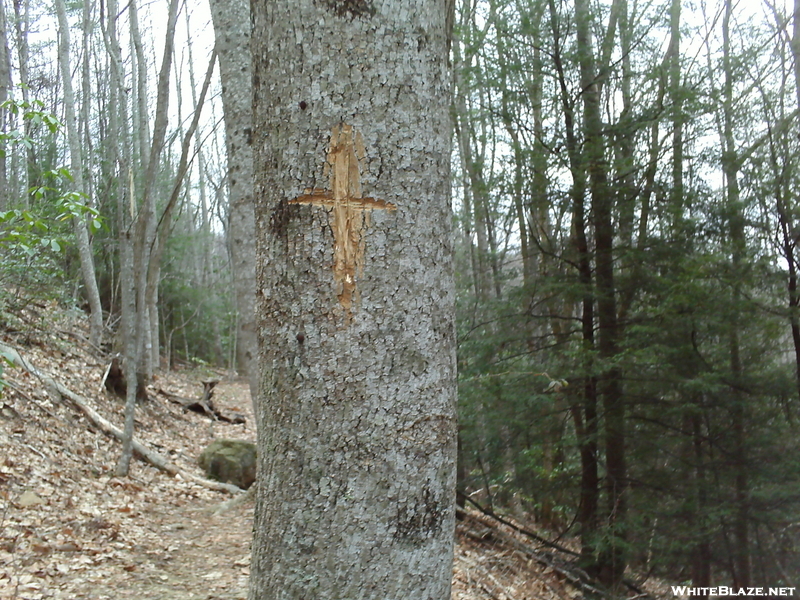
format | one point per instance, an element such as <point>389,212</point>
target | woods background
<point>625,199</point>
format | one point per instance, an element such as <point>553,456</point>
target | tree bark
<point>5,86</point>
<point>736,223</point>
<point>76,168</point>
<point>611,561</point>
<point>357,430</point>
<point>232,29</point>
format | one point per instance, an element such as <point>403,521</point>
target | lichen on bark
<point>356,425</point>
<point>350,8</point>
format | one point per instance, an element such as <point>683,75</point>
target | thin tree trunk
<point>204,267</point>
<point>612,557</point>
<point>141,130</point>
<point>701,552</point>
<point>519,162</point>
<point>730,167</point>
<point>676,93</point>
<point>21,27</point>
<point>584,411</point>
<point>122,188</point>
<point>539,209</point>
<point>789,245</point>
<point>145,236</point>
<point>5,85</point>
<point>76,168</point>
<point>164,226</point>
<point>795,45</point>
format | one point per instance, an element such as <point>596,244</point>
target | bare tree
<point>5,84</point>
<point>76,167</point>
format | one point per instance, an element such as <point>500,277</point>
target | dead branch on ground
<point>59,392</point>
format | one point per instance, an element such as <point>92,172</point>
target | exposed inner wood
<point>350,210</point>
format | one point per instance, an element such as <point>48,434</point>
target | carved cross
<point>351,211</point>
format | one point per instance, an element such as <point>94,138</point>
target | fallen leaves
<point>68,528</point>
<point>29,498</point>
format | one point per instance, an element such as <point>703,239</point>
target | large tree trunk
<point>357,431</point>
<point>232,26</point>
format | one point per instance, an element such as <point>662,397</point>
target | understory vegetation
<point>626,194</point>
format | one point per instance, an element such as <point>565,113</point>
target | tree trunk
<point>5,86</point>
<point>76,168</point>
<point>357,430</point>
<point>677,94</point>
<point>141,119</point>
<point>21,28</point>
<point>795,46</point>
<point>122,187</point>
<point>232,27</point>
<point>203,261</point>
<point>611,558</point>
<point>165,221</point>
<point>736,220</point>
<point>789,244</point>
<point>146,226</point>
<point>584,410</point>
<point>701,550</point>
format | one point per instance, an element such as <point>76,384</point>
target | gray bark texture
<point>5,86</point>
<point>76,167</point>
<point>232,29</point>
<point>356,409</point>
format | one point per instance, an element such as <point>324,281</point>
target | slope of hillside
<point>70,529</point>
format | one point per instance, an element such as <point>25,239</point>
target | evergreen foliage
<point>689,387</point>
<point>703,258</point>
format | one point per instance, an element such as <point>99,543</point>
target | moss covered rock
<point>230,461</point>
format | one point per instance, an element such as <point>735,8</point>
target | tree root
<point>234,502</point>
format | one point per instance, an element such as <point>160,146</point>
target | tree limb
<point>59,391</point>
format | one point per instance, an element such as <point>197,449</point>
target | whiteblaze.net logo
<point>723,590</point>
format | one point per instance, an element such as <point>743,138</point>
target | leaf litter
<point>70,529</point>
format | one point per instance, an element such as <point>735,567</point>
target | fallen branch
<point>577,577</point>
<point>59,391</point>
<point>490,513</point>
<point>234,502</point>
<point>204,406</point>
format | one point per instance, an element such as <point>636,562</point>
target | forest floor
<point>70,529</point>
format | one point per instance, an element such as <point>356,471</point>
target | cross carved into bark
<point>351,211</point>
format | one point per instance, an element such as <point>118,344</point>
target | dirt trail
<point>70,529</point>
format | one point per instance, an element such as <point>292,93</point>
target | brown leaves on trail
<point>69,529</point>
